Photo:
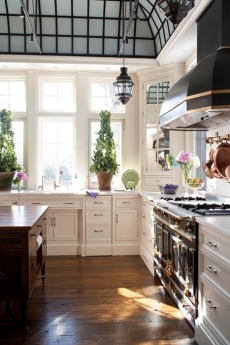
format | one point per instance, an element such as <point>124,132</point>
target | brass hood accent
<point>201,99</point>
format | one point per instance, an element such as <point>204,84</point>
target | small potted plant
<point>8,158</point>
<point>104,155</point>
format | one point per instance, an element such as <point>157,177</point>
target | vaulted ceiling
<point>83,28</point>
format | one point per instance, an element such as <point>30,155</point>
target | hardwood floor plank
<point>99,301</point>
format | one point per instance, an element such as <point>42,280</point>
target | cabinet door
<point>126,225</point>
<point>50,228</point>
<point>65,225</point>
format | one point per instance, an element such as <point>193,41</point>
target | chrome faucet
<point>41,187</point>
<point>55,183</point>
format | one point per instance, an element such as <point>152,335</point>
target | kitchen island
<point>23,237</point>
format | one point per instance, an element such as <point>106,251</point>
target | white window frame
<point>119,184</point>
<point>6,105</point>
<point>103,81</point>
<point>57,79</point>
<point>43,119</point>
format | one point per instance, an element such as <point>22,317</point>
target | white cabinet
<point>214,281</point>
<point>98,237</point>
<point>63,225</point>
<point>125,225</point>
<point>147,235</point>
<point>64,222</point>
<point>9,200</point>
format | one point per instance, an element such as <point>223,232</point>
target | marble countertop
<point>218,223</point>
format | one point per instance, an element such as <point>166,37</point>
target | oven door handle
<point>165,210</point>
<point>189,237</point>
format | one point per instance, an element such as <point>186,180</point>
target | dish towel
<point>92,194</point>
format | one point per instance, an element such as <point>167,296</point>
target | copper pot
<point>222,159</point>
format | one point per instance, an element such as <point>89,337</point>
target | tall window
<point>57,151</point>
<point>58,96</point>
<point>13,95</point>
<point>117,128</point>
<point>102,96</point>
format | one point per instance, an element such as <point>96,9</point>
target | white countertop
<point>218,223</point>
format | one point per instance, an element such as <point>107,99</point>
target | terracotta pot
<point>104,180</point>
<point>6,179</point>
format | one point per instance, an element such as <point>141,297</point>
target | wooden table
<point>23,248</point>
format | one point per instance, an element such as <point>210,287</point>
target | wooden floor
<point>99,300</point>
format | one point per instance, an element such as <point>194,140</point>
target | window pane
<point>13,95</point>
<point>57,152</point>
<point>4,88</point>
<point>18,129</point>
<point>58,96</point>
<point>98,103</point>
<point>98,89</point>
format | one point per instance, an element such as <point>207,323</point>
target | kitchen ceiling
<point>87,35</point>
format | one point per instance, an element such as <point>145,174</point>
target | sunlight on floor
<point>149,303</point>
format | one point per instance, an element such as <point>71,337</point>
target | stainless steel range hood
<point>201,99</point>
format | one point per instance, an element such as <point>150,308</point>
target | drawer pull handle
<point>210,244</point>
<point>143,204</point>
<point>209,303</point>
<point>143,216</point>
<point>68,203</point>
<point>98,230</point>
<point>126,202</point>
<point>98,202</point>
<point>14,203</point>
<point>209,268</point>
<point>2,275</point>
<point>36,203</point>
<point>33,265</point>
<point>39,226</point>
<point>43,218</point>
<point>32,235</point>
<point>100,215</point>
<point>143,233</point>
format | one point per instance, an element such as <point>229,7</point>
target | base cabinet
<point>212,324</point>
<point>147,235</point>
<point>126,225</point>
<point>98,221</point>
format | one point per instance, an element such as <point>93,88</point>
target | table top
<point>20,217</point>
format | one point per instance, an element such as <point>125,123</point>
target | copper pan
<point>227,173</point>
<point>222,159</point>
<point>207,166</point>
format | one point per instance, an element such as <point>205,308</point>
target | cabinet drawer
<point>9,202</point>
<point>98,233</point>
<point>147,237</point>
<point>215,246</point>
<point>63,203</point>
<point>146,206</point>
<point>126,202</point>
<point>12,241</point>
<point>100,202</point>
<point>98,216</point>
<point>216,273</point>
<point>146,217</point>
<point>216,310</point>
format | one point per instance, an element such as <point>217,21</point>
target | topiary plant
<point>8,158</point>
<point>104,155</point>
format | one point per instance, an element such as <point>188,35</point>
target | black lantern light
<point>123,86</point>
<point>175,10</point>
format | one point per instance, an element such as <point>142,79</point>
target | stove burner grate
<point>208,209</point>
<point>183,198</point>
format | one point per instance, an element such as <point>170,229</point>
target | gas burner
<point>166,199</point>
<point>207,209</point>
<point>189,198</point>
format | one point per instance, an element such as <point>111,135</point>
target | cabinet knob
<point>2,275</point>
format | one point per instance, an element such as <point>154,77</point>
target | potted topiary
<point>8,158</point>
<point>104,155</point>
